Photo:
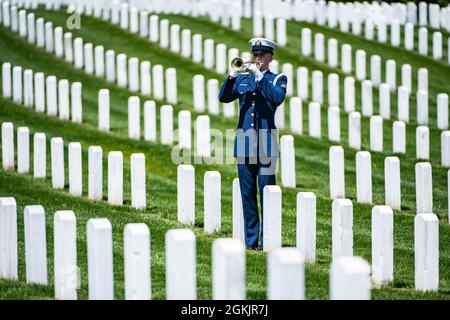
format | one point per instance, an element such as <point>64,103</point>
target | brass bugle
<point>238,64</point>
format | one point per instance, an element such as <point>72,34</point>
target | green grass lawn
<point>161,213</point>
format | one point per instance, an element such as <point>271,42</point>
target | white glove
<point>253,69</point>
<point>233,73</point>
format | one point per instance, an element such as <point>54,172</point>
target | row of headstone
<point>118,68</point>
<point>130,19</point>
<point>408,32</point>
<point>375,23</point>
<point>167,134</point>
<point>74,160</point>
<point>212,56</point>
<point>100,255</point>
<point>337,189</point>
<point>43,93</point>
<point>228,260</point>
<point>335,15</point>
<point>354,134</point>
<point>229,109</point>
<point>376,131</point>
<point>426,229</point>
<point>212,201</point>
<point>176,40</point>
<point>437,45</point>
<point>424,193</point>
<point>209,101</point>
<point>353,14</point>
<point>318,52</point>
<point>376,121</point>
<point>382,219</point>
<point>228,14</point>
<point>385,91</point>
<point>269,27</point>
<point>364,177</point>
<point>381,30</point>
<point>342,15</point>
<point>121,58</point>
<point>134,84</point>
<point>193,46</point>
<point>306,204</point>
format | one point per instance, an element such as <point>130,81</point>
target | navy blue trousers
<point>251,175</point>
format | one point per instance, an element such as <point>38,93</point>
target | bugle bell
<point>239,65</point>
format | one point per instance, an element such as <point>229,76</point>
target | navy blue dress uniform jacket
<point>258,101</point>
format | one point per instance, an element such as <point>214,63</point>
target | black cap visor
<point>262,49</point>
